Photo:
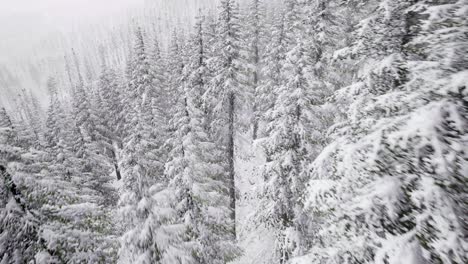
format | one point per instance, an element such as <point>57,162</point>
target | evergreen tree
<point>28,121</point>
<point>255,44</point>
<point>109,112</point>
<point>275,53</point>
<point>8,133</point>
<point>53,111</point>
<point>163,94</point>
<point>138,81</point>
<point>225,94</point>
<point>376,190</point>
<point>88,155</point>
<point>289,147</point>
<point>197,172</point>
<point>142,165</point>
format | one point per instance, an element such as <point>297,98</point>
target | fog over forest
<point>36,35</point>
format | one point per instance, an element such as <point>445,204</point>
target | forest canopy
<point>305,131</point>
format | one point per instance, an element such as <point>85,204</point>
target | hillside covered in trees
<point>300,132</point>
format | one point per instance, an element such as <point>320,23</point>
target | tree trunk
<point>232,187</point>
<point>115,162</point>
<point>117,171</point>
<point>255,86</point>
<point>11,187</point>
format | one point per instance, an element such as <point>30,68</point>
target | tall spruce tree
<point>289,147</point>
<point>197,171</point>
<point>275,52</point>
<point>254,42</point>
<point>109,112</point>
<point>142,164</point>
<point>224,95</point>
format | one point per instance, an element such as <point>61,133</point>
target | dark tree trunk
<point>232,187</point>
<point>255,87</point>
<point>117,171</point>
<point>116,165</point>
<point>11,187</point>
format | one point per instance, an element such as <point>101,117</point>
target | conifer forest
<point>242,132</point>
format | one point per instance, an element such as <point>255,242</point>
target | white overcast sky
<point>63,11</point>
<point>24,23</point>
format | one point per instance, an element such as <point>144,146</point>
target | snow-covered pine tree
<point>37,119</point>
<point>180,246</point>
<point>224,95</point>
<point>157,59</point>
<point>197,172</point>
<point>54,111</point>
<point>18,228</point>
<point>21,218</point>
<point>109,110</point>
<point>290,135</point>
<point>176,62</point>
<point>254,42</point>
<point>142,166</point>
<point>100,157</point>
<point>57,138</point>
<point>275,52</point>
<point>163,95</point>
<point>21,198</point>
<point>29,125</point>
<point>81,117</point>
<point>141,169</point>
<point>8,133</point>
<point>27,121</point>
<point>89,155</point>
<point>325,31</point>
<point>386,189</point>
<point>137,77</point>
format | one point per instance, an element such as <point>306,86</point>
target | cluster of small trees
<point>359,106</point>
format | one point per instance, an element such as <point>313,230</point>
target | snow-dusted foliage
<point>142,163</point>
<point>48,210</point>
<point>225,95</point>
<point>19,226</point>
<point>271,132</point>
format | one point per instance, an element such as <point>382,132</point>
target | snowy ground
<point>256,241</point>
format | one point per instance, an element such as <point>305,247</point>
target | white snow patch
<point>256,241</point>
